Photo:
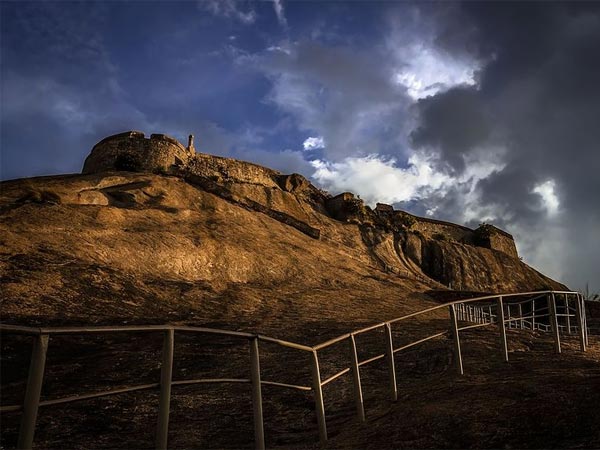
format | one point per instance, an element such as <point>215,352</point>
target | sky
<point>469,112</point>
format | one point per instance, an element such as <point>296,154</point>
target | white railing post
<point>502,328</point>
<point>584,315</point>
<point>358,397</point>
<point>568,312</point>
<point>389,350</point>
<point>521,322</point>
<point>31,402</point>
<point>457,352</point>
<point>533,314</point>
<point>257,409</point>
<point>554,322</point>
<point>579,319</point>
<point>166,375</point>
<point>510,324</point>
<point>491,315</point>
<point>318,392</point>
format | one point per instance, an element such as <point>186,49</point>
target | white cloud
<point>278,6</point>
<point>279,48</point>
<point>377,179</point>
<point>426,71</point>
<point>313,143</point>
<point>547,192</point>
<point>228,9</point>
<point>422,66</point>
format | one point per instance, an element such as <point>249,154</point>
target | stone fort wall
<point>503,242</point>
<point>223,169</point>
<point>497,239</point>
<point>134,152</point>
<point>431,227</point>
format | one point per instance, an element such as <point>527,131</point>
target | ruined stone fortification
<point>486,236</point>
<point>132,151</point>
<point>420,230</point>
<point>226,169</point>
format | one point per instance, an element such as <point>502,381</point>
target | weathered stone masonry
<point>134,152</point>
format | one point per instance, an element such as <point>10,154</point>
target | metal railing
<point>479,311</point>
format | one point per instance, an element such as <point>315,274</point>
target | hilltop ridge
<point>150,217</point>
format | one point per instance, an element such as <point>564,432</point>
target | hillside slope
<point>131,246</point>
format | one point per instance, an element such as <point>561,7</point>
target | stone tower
<point>132,151</point>
<point>190,146</point>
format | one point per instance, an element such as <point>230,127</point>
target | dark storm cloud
<point>345,94</point>
<point>454,123</point>
<point>538,97</point>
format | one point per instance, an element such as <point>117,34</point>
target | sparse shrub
<point>439,237</point>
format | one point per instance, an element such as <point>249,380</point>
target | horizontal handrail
<point>468,300</point>
<point>434,308</point>
<point>420,341</point>
<point>478,325</point>
<point>75,398</point>
<point>123,390</point>
<point>336,376</point>
<point>147,328</point>
<point>286,385</point>
<point>285,343</point>
<point>210,381</point>
<point>370,360</point>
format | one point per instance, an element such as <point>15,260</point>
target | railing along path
<point>504,310</point>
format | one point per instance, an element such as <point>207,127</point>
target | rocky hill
<point>153,232</point>
<point>111,244</point>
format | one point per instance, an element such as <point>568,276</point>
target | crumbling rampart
<point>222,169</point>
<point>132,151</point>
<point>486,236</point>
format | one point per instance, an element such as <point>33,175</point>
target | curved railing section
<point>541,310</point>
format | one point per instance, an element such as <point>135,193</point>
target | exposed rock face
<point>413,247</point>
<point>293,183</point>
<point>464,267</point>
